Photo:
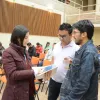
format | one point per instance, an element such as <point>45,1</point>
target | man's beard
<point>78,42</point>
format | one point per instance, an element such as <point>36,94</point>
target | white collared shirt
<point>59,54</point>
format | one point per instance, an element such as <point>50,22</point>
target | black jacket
<point>32,51</point>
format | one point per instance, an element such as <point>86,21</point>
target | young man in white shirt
<point>66,48</point>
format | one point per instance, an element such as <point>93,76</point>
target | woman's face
<point>26,39</point>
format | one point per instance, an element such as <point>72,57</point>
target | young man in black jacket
<point>31,50</point>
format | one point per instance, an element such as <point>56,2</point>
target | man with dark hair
<point>81,80</point>
<point>31,50</point>
<point>66,48</point>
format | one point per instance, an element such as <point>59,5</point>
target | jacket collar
<point>84,46</point>
<point>17,48</point>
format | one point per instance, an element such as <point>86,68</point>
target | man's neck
<point>64,44</point>
<point>84,41</point>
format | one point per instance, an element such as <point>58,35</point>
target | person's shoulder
<point>7,51</point>
<point>75,46</point>
<point>91,49</point>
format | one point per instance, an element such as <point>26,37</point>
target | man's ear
<point>84,34</point>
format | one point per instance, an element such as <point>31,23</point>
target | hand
<point>68,60</point>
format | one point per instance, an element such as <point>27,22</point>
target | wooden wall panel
<point>39,22</point>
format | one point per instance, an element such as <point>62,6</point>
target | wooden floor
<point>43,96</point>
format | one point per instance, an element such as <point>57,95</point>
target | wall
<point>98,7</point>
<point>71,14</point>
<point>52,6</point>
<point>39,22</point>
<point>85,3</point>
<point>77,1</point>
<point>5,39</point>
<point>56,6</point>
<point>97,36</point>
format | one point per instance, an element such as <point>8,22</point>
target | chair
<point>37,87</point>
<point>47,89</point>
<point>41,56</point>
<point>45,63</point>
<point>3,80</point>
<point>35,60</point>
<point>2,71</point>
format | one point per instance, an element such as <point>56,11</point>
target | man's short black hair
<point>85,26</point>
<point>37,43</point>
<point>66,26</point>
<point>48,43</point>
<point>54,43</point>
<point>29,44</point>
